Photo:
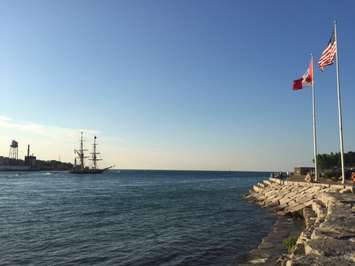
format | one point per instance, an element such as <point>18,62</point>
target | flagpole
<point>339,107</point>
<point>314,124</point>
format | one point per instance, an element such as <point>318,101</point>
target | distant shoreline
<point>194,170</point>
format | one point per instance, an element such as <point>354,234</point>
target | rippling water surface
<point>129,218</point>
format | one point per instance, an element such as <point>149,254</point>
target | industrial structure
<point>30,162</point>
<point>13,152</point>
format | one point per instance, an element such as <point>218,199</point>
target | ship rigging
<point>82,169</point>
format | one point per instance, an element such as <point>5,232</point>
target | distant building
<point>303,170</point>
<point>8,164</point>
<point>4,160</point>
<point>30,160</point>
<point>31,163</point>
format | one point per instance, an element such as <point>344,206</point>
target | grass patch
<point>290,243</point>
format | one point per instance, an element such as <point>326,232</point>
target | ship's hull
<point>88,171</point>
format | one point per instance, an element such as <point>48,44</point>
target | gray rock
<point>319,261</point>
<point>329,235</point>
<point>329,247</point>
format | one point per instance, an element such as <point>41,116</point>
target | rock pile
<point>329,214</point>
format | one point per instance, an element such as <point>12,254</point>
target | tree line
<point>332,160</point>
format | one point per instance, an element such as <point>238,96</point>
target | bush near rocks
<point>290,243</point>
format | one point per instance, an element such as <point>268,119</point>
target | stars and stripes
<point>328,56</point>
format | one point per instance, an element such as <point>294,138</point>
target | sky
<point>174,84</point>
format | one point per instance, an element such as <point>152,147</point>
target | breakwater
<point>328,210</point>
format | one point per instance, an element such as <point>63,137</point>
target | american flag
<point>328,56</point>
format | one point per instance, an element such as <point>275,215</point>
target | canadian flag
<point>306,79</point>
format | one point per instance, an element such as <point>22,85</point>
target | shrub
<point>290,243</point>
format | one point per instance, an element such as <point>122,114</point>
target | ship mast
<point>81,153</point>
<point>94,154</point>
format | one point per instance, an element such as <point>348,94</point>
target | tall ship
<point>82,168</point>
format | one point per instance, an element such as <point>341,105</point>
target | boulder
<point>329,247</point>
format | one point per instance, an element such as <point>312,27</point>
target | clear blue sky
<point>175,84</point>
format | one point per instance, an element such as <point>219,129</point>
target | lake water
<point>129,218</point>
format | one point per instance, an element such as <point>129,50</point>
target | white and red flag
<point>306,79</point>
<point>328,56</point>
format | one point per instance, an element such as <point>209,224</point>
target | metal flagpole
<point>314,124</point>
<point>339,107</point>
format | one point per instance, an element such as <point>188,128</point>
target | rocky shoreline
<point>271,250</point>
<point>328,234</point>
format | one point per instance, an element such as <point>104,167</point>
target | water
<point>129,218</point>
